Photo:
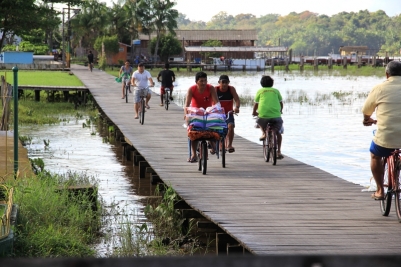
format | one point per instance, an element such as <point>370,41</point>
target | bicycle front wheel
<point>126,93</point>
<point>397,191</point>
<point>166,99</point>
<point>385,204</point>
<point>204,157</point>
<point>142,112</point>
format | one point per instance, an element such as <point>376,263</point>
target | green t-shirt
<point>269,100</point>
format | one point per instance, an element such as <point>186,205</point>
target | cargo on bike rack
<point>207,126</point>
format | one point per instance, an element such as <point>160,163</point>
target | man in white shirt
<point>140,79</point>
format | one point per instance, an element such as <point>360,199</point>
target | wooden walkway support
<point>288,209</point>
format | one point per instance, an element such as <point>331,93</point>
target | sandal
<point>231,150</point>
<point>212,151</point>
<point>147,106</point>
<point>192,160</point>
<point>280,156</point>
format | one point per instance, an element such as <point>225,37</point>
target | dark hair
<point>166,65</point>
<point>199,75</point>
<point>141,64</point>
<point>266,81</point>
<point>393,68</point>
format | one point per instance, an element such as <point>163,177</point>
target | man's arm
<point>151,82</point>
<point>236,99</point>
<point>213,93</point>
<point>281,105</point>
<point>187,101</point>
<point>255,108</point>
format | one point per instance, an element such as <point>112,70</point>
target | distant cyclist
<point>269,107</point>
<point>168,77</point>
<point>126,71</point>
<point>227,96</point>
<point>140,79</point>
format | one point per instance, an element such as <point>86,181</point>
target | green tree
<point>162,18</point>
<point>169,45</point>
<point>110,44</point>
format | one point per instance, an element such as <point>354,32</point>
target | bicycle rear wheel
<point>204,157</point>
<point>223,152</point>
<point>397,191</point>
<point>142,112</point>
<point>166,99</point>
<point>385,204</point>
<point>273,147</point>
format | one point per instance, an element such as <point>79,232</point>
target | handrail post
<point>16,140</point>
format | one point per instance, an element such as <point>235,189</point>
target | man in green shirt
<point>268,108</point>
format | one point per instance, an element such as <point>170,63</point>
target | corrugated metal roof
<point>204,35</point>
<point>236,49</point>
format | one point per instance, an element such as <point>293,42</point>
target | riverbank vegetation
<point>52,220</point>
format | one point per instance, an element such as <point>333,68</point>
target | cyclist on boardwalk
<point>126,71</point>
<point>90,60</point>
<point>385,99</point>
<point>200,95</point>
<point>140,79</point>
<point>227,95</point>
<point>168,77</point>
<point>269,107</point>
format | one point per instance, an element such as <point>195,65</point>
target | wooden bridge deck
<point>288,209</point>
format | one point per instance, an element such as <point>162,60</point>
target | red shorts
<point>163,87</point>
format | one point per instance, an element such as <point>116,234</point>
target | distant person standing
<point>168,77</point>
<point>90,60</point>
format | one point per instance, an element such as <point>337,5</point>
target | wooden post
<point>315,63</point>
<point>37,95</point>
<point>345,62</point>
<point>301,63</point>
<point>272,65</point>
<point>330,63</point>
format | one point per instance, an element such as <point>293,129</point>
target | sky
<point>204,10</point>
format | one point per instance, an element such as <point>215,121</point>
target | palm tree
<point>157,16</point>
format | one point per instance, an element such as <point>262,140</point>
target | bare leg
<point>279,140</point>
<point>147,99</point>
<point>230,135</point>
<point>136,108</point>
<point>194,145</point>
<point>123,90</point>
<point>376,165</point>
<point>161,98</point>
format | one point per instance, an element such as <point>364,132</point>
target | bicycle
<point>270,144</point>
<point>392,184</point>
<point>142,105</point>
<point>166,97</point>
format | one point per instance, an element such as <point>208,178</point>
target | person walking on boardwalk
<point>200,95</point>
<point>140,79</point>
<point>90,60</point>
<point>227,96</point>
<point>268,108</point>
<point>126,71</point>
<point>167,79</point>
<point>385,99</point>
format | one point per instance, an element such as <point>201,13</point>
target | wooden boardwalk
<point>288,209</point>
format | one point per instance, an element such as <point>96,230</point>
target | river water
<point>322,120</point>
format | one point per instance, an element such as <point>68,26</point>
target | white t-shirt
<point>141,79</point>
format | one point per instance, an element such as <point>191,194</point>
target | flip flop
<point>212,152</point>
<point>192,160</point>
<point>161,105</point>
<point>147,106</point>
<point>231,150</point>
<point>280,156</point>
<point>377,197</point>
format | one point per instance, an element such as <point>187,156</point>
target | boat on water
<point>8,215</point>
